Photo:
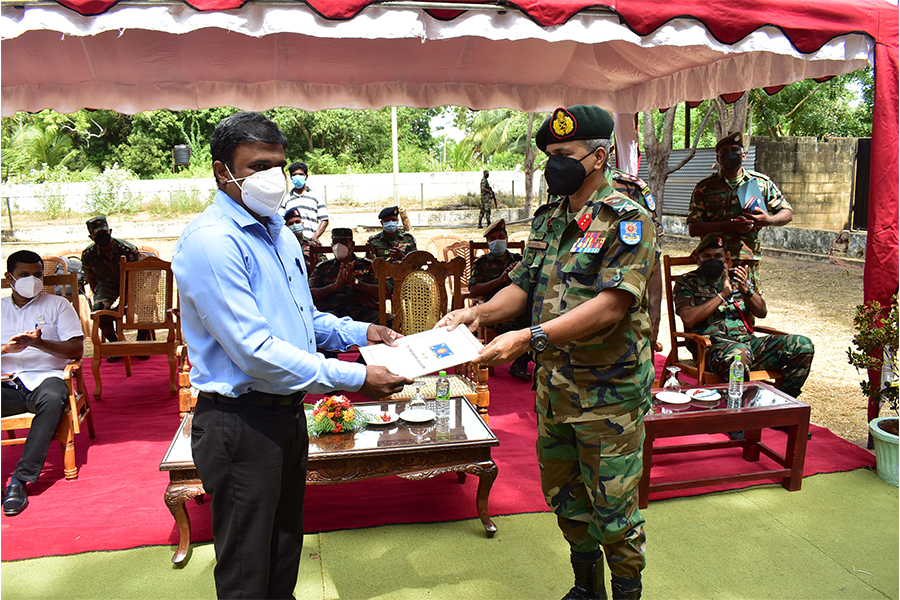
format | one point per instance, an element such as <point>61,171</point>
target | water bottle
<point>735,383</point>
<point>442,395</point>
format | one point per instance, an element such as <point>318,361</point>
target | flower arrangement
<point>335,414</point>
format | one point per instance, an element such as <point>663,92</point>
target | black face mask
<point>712,268</point>
<point>564,175</point>
<point>732,160</point>
<point>102,239</point>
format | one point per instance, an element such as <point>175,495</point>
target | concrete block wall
<point>816,177</point>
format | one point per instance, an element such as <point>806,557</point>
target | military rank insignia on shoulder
<point>630,232</point>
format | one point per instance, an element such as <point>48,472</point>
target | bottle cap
<point>442,373</point>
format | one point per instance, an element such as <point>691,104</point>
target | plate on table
<point>384,418</point>
<point>673,397</point>
<point>421,415</point>
<point>703,395</point>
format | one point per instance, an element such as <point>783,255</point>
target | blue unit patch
<point>651,203</point>
<point>630,232</point>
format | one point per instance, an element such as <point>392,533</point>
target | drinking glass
<point>672,384</point>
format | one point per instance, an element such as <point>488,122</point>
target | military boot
<point>624,588</point>
<point>589,583</point>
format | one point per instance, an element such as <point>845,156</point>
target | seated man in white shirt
<point>40,334</point>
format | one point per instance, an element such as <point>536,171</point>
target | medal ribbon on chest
<point>591,243</point>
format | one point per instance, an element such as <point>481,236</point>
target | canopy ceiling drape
<point>626,55</point>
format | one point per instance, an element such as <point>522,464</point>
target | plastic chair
<point>437,244</point>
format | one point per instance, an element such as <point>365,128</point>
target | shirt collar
<point>240,215</point>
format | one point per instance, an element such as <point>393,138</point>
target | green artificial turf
<point>836,538</point>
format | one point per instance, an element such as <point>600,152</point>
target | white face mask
<point>498,247</point>
<point>28,287</point>
<point>263,192</point>
<point>340,251</point>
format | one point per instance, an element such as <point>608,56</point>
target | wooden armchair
<point>79,408</point>
<point>683,339</point>
<point>146,303</point>
<point>419,300</point>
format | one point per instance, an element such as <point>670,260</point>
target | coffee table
<point>458,443</point>
<point>762,406</point>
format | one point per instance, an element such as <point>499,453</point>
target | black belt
<point>254,398</point>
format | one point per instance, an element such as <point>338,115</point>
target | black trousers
<point>252,460</point>
<point>47,401</point>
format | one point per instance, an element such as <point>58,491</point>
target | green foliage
<point>108,195</point>
<point>52,195</point>
<point>188,200</point>
<point>876,331</point>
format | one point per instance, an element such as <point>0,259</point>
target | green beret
<point>731,139</point>
<point>495,226</point>
<point>390,211</point>
<point>579,122</point>
<point>342,233</point>
<point>710,240</point>
<point>95,224</point>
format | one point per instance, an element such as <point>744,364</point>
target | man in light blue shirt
<point>252,331</point>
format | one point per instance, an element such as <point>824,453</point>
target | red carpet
<point>117,500</point>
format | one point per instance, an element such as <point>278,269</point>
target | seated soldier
<point>345,286</point>
<point>490,274</point>
<point>716,302</point>
<point>391,244</point>
<point>100,261</point>
<point>41,333</point>
<point>294,221</point>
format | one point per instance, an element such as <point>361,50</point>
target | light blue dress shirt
<point>246,311</point>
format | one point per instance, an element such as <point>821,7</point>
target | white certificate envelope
<point>426,352</point>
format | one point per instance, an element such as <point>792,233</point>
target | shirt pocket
<point>578,274</point>
<point>50,332</point>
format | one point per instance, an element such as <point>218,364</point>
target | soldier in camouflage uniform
<point>345,286</point>
<point>716,208</point>
<point>716,305</point>
<point>391,244</point>
<point>100,261</point>
<point>487,196</point>
<point>293,220</point>
<point>586,267</point>
<point>639,190</point>
<point>490,274</point>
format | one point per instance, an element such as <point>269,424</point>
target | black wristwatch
<point>750,291</point>
<point>539,339</point>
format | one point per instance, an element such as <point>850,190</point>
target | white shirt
<point>58,322</point>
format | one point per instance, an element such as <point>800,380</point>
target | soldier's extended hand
<point>397,253</point>
<point>380,382</point>
<point>463,316</point>
<point>504,348</point>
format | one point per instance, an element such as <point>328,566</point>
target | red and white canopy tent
<point>626,55</point>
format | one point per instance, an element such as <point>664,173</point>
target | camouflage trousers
<point>589,475</point>
<point>790,354</point>
<point>485,213</point>
<point>104,296</point>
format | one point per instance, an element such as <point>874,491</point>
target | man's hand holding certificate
<point>425,352</point>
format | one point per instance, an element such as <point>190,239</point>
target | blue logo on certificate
<point>630,232</point>
<point>442,351</point>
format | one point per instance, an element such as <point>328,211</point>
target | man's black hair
<point>23,256</point>
<point>298,165</point>
<point>242,128</point>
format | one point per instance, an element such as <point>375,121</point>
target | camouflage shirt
<point>714,199</point>
<point>487,194</point>
<point>638,190</point>
<point>381,245</point>
<point>105,265</point>
<point>489,267</point>
<point>347,301</point>
<point>610,243</point>
<point>694,289</point>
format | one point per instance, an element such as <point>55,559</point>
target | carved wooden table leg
<point>487,473</point>
<point>183,485</point>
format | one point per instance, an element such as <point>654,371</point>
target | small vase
<point>886,451</point>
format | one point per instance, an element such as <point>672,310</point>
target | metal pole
<point>422,194</point>
<point>9,214</point>
<point>687,125</point>
<point>514,192</point>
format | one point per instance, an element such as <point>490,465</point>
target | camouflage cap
<point>292,213</point>
<point>341,233</point>
<point>495,226</point>
<point>390,211</point>
<point>579,122</point>
<point>95,224</point>
<point>736,137</point>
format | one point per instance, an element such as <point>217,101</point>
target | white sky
<point>442,125</point>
